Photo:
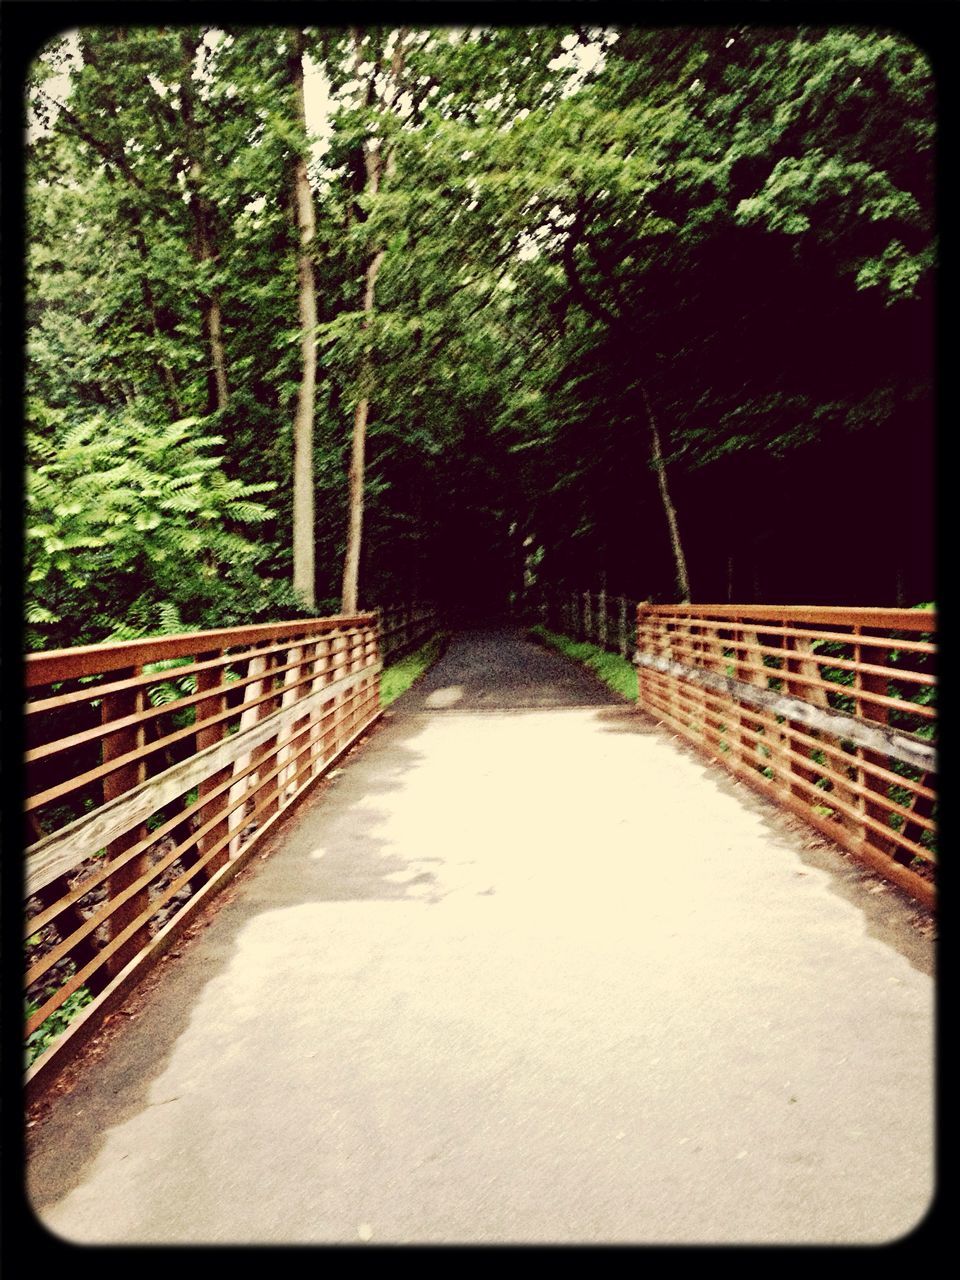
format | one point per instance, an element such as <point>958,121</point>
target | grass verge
<point>399,676</point>
<point>616,673</point>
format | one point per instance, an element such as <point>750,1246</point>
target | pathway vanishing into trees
<point>522,970</point>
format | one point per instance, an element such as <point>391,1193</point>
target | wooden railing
<point>403,627</point>
<point>152,769</point>
<point>830,712</point>
<point>605,620</point>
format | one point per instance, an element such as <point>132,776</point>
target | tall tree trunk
<point>211,310</point>
<point>164,372</point>
<point>201,210</point>
<point>377,164</point>
<point>656,454</point>
<point>303,514</point>
<point>351,560</point>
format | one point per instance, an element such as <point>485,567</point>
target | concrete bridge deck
<point>524,970</point>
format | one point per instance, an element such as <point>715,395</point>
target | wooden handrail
<point>96,659</point>
<point>840,615</point>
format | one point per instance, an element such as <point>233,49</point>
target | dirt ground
<point>523,970</point>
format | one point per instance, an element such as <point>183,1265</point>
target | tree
<point>303,533</point>
<point>548,294</point>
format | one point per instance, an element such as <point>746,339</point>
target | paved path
<point>524,971</point>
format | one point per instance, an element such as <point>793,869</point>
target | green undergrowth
<point>55,1025</point>
<point>616,673</point>
<point>397,678</point>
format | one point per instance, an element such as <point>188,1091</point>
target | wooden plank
<point>836,637</point>
<point>661,698</point>
<point>891,671</point>
<point>96,659</point>
<point>888,619</point>
<point>805,766</point>
<point>834,749</point>
<point>802,675</point>
<point>62,850</point>
<point>887,741</point>
<point>101,873</point>
<point>112,909</point>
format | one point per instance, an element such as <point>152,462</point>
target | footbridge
<point>514,960</point>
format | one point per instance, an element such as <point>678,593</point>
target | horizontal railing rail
<point>152,769</point>
<point>830,712</point>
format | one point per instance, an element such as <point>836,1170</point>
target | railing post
<point>317,731</point>
<point>292,692</point>
<point>339,703</point>
<point>877,655</point>
<point>378,623</point>
<point>643,639</point>
<point>207,735</point>
<point>113,707</point>
<point>800,660</point>
<point>302,734</point>
<point>256,665</point>
<point>372,657</point>
<point>747,653</point>
<point>355,695</point>
<point>329,708</point>
<point>269,752</point>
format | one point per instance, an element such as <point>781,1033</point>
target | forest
<point>321,319</point>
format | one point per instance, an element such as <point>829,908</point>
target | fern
<point>38,614</point>
<point>120,502</point>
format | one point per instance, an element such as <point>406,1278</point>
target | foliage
<point>615,672</point>
<point>733,221</point>
<point>115,503</point>
<point>55,1025</point>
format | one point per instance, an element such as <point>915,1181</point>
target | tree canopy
<point>455,311</point>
